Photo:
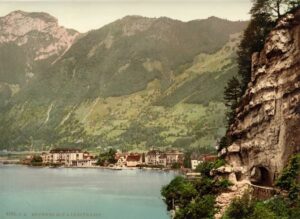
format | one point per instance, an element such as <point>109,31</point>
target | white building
<point>68,157</point>
<point>133,160</point>
<point>174,156</point>
<point>195,163</point>
<point>152,157</point>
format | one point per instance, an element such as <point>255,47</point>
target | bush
<point>107,158</point>
<point>275,208</point>
<point>178,193</point>
<point>279,206</point>
<point>262,212</point>
<point>205,167</point>
<point>176,166</point>
<point>222,184</point>
<point>288,180</point>
<point>201,207</point>
<point>240,208</point>
<point>36,160</point>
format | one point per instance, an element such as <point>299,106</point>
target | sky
<point>84,15</point>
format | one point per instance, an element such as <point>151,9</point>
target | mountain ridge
<point>135,83</point>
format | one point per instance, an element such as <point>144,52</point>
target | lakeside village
<point>68,157</point>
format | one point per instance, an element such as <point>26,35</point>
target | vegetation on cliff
<point>264,16</point>
<point>195,199</point>
<point>285,205</point>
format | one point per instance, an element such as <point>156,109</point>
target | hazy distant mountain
<point>134,83</point>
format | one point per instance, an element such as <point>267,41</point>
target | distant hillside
<point>123,57</point>
<point>135,83</point>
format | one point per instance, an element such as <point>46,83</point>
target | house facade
<point>68,157</point>
<point>195,163</point>
<point>162,160</point>
<point>174,156</point>
<point>133,160</point>
<point>153,157</point>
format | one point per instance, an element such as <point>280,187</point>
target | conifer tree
<point>232,94</point>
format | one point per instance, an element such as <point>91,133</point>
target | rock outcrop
<point>267,127</point>
<point>39,33</point>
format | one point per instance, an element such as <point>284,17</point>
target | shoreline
<point>91,167</point>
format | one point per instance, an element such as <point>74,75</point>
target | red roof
<point>210,158</point>
<point>133,157</point>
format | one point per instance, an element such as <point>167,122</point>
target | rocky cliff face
<point>29,44</point>
<point>39,32</point>
<point>268,123</point>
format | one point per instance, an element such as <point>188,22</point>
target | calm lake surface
<point>47,193</point>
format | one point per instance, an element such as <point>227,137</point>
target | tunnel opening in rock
<point>261,176</point>
<point>238,176</point>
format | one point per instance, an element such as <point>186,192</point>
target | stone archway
<point>261,176</point>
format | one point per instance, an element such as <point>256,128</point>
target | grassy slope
<point>70,106</point>
<point>116,118</point>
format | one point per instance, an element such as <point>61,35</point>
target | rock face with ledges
<point>267,127</point>
<point>36,31</point>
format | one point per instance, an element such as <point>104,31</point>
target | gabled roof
<point>133,157</point>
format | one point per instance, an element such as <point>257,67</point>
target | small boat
<point>116,168</point>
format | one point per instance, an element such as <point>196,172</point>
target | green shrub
<point>222,184</point>
<point>240,208</point>
<point>36,161</point>
<point>201,207</point>
<point>176,166</point>
<point>275,208</point>
<point>179,192</point>
<point>107,158</point>
<point>204,185</point>
<point>288,179</point>
<point>279,206</point>
<point>205,167</point>
<point>262,212</point>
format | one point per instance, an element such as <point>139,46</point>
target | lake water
<point>63,193</point>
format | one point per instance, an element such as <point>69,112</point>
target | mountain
<point>123,57</point>
<point>28,42</point>
<point>135,83</point>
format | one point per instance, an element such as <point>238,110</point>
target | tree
<point>260,25</point>
<point>253,40</point>
<point>36,160</point>
<point>293,4</point>
<point>201,207</point>
<point>264,14</point>
<point>179,192</point>
<point>187,159</point>
<point>274,8</point>
<point>107,157</point>
<point>232,94</point>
